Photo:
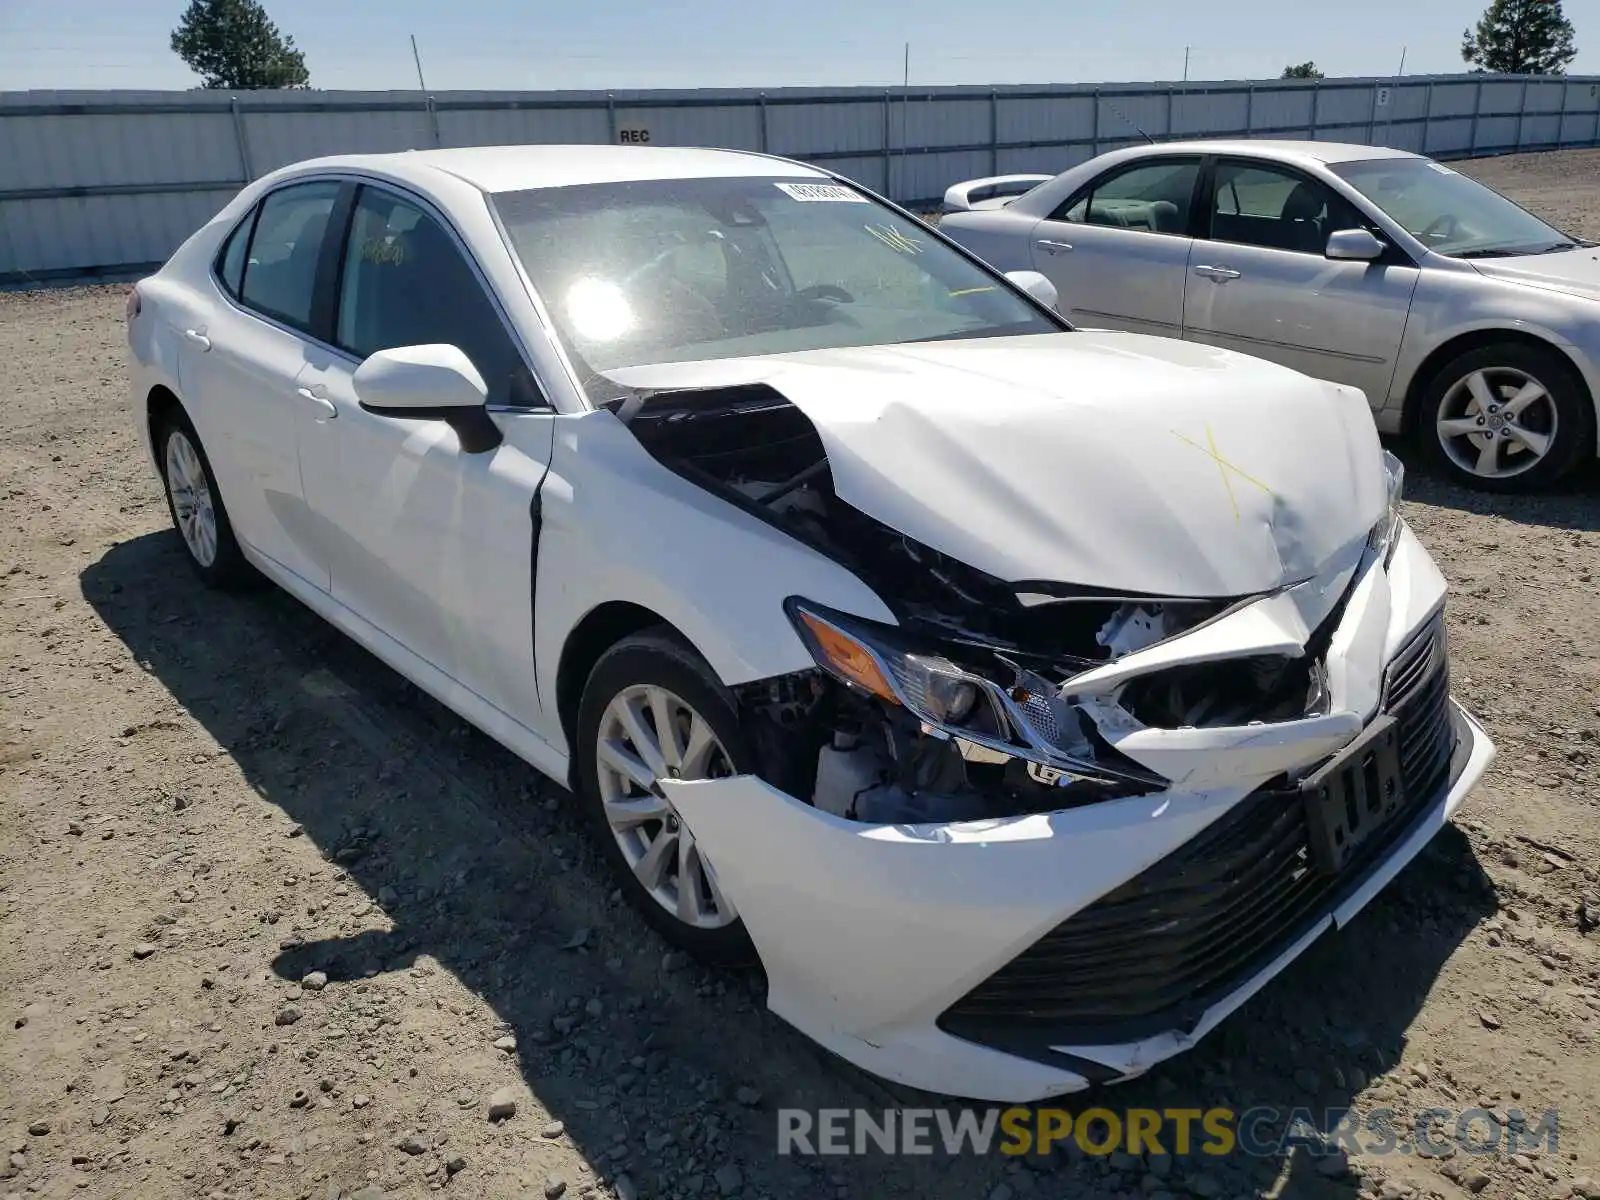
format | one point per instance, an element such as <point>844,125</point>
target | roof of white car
<point>513,168</point>
<point>1305,151</point>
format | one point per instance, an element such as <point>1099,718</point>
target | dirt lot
<point>274,924</point>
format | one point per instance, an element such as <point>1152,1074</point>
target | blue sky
<point>740,43</point>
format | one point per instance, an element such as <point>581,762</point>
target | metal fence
<point>111,182</point>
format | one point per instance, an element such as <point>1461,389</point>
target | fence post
<point>762,100</point>
<point>611,118</point>
<point>238,133</point>
<point>1477,112</point>
<point>1250,111</point>
<point>994,132</point>
<point>1427,120</point>
<point>1171,92</point>
<point>1316,103</point>
<point>1522,112</point>
<point>888,136</point>
<point>1094,133</point>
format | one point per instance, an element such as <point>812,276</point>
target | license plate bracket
<point>1353,795</point>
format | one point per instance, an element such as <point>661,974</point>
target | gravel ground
<point>274,924</point>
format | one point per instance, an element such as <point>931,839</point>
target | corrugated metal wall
<point>113,181</point>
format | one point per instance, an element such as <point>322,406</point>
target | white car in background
<point>1462,317</point>
<point>1024,698</point>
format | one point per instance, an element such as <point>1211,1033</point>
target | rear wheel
<point>1507,418</point>
<point>654,710</point>
<point>196,506</point>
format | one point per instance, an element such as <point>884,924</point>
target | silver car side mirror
<point>1037,286</point>
<point>1355,245</point>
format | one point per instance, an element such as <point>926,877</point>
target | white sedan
<point>1023,698</point>
<point>1464,319</point>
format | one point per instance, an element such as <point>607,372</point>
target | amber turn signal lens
<point>849,658</point>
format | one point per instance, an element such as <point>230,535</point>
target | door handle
<point>1053,247</point>
<point>1218,274</point>
<point>198,337</point>
<point>330,410</point>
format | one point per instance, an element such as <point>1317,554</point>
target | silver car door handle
<point>1220,274</point>
<point>1053,247</point>
<point>330,410</point>
<point>198,337</point>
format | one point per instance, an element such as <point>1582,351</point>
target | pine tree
<point>1305,70</point>
<point>233,44</point>
<point>1520,37</point>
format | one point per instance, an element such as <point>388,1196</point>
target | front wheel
<point>1507,418</point>
<point>654,710</point>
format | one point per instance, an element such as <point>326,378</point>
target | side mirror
<point>1037,286</point>
<point>435,382</point>
<point>1354,245</point>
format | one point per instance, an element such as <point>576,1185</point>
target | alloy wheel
<point>648,733</point>
<point>192,505</point>
<point>1497,422</point>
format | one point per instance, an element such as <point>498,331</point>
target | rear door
<point>1118,249</point>
<point>1260,283</point>
<point>242,356</point>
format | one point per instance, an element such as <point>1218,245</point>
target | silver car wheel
<point>647,734</point>
<point>192,505</point>
<point>1497,422</point>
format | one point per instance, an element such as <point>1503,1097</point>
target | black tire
<point>658,658</point>
<point>228,569</point>
<point>1570,409</point>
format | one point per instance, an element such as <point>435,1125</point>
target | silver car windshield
<point>1448,212</point>
<point>672,270</point>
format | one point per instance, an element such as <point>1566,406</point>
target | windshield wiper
<point>1554,246</point>
<point>1491,252</point>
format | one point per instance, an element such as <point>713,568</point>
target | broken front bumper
<point>1019,958</point>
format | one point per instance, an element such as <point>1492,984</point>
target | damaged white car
<point>1023,698</point>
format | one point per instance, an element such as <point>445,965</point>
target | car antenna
<point>1128,119</point>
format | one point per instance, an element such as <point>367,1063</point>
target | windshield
<point>674,270</point>
<point>1446,211</point>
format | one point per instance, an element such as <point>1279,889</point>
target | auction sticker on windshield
<point>821,191</point>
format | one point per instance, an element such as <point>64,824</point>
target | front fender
<point>618,526</point>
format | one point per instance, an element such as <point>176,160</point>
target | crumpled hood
<point>1572,272</point>
<point>1101,459</point>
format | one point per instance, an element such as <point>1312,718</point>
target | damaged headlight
<point>931,687</point>
<point>1028,720</point>
<point>1381,541</point>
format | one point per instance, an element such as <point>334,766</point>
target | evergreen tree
<point>1520,37</point>
<point>1305,70</point>
<point>233,44</point>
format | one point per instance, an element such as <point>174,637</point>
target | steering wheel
<point>1444,226</point>
<point>826,291</point>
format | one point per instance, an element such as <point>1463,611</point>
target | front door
<point>1260,283</point>
<point>1118,249</point>
<point>430,543</point>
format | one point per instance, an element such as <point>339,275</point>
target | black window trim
<point>1199,161</point>
<point>1394,255</point>
<point>253,217</point>
<point>330,261</point>
<point>239,226</point>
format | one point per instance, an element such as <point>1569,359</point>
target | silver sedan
<point>1464,318</point>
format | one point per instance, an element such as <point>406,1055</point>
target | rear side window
<point>1151,197</point>
<point>405,282</point>
<point>1262,204</point>
<point>281,272</point>
<point>230,263</point>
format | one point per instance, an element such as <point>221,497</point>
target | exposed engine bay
<point>965,709</point>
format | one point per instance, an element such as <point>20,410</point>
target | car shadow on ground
<point>481,867</point>
<point>1573,504</point>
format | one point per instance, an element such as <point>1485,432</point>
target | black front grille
<point>1161,949</point>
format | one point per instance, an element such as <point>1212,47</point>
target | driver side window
<point>1152,197</point>
<point>405,282</point>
